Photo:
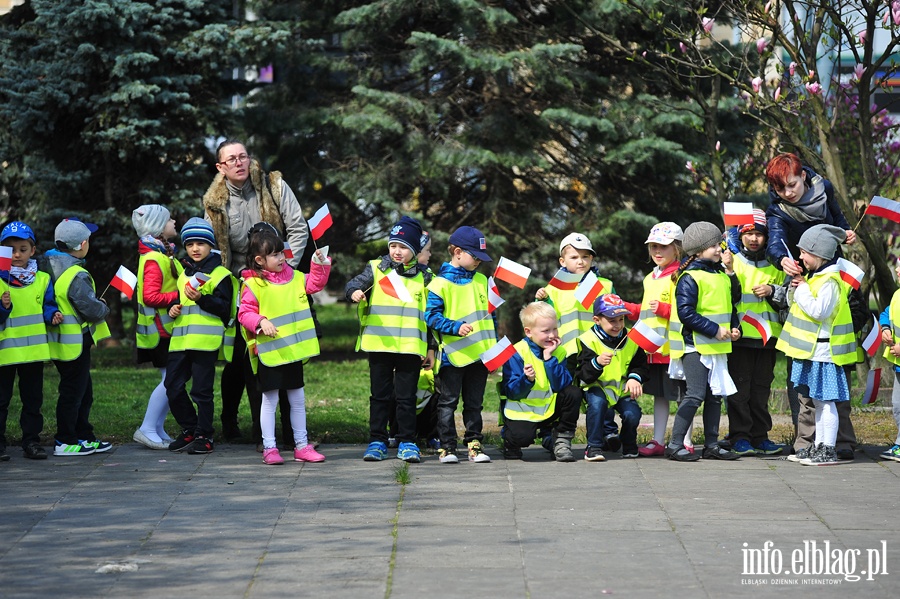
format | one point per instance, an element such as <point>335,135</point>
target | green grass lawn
<point>337,392</point>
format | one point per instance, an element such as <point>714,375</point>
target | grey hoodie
<point>81,292</point>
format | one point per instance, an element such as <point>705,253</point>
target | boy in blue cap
<point>24,316</point>
<point>458,312</point>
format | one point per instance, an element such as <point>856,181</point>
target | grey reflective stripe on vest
<point>395,311</point>
<point>195,309</point>
<point>802,325</point>
<point>474,316</point>
<point>468,340</point>
<point>844,348</point>
<point>798,344</point>
<point>842,329</point>
<point>146,329</point>
<point>283,342</point>
<point>518,406</point>
<point>750,298</point>
<point>719,319</point>
<point>895,330</point>
<point>287,319</point>
<point>22,321</point>
<point>22,342</point>
<point>576,315</point>
<point>68,338</point>
<point>208,330</point>
<point>378,331</point>
<point>569,336</point>
<point>675,344</point>
<point>146,310</point>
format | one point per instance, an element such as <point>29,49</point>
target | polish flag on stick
<point>884,208</point>
<point>738,213</point>
<point>393,285</point>
<point>5,257</point>
<point>873,340</point>
<point>320,222</point>
<point>565,280</point>
<point>196,282</point>
<point>760,324</point>
<point>588,290</point>
<point>494,299</point>
<point>649,340</point>
<point>125,281</point>
<point>498,355</point>
<point>850,273</point>
<point>512,272</point>
<point>288,252</point>
<point>873,382</point>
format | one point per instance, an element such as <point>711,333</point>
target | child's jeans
<point>471,381</point>
<point>600,415</point>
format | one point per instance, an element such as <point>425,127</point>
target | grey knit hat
<point>822,241</point>
<point>699,236</point>
<point>150,219</point>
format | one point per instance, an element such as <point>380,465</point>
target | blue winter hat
<point>17,230</point>
<point>471,240</point>
<point>197,229</point>
<point>407,231</point>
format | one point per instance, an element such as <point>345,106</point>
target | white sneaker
<point>141,437</point>
<point>476,454</point>
<point>447,457</point>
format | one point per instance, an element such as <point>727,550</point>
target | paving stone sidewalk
<point>139,523</point>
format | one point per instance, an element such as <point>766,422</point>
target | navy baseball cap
<point>471,240</point>
<point>17,230</point>
<point>610,306</point>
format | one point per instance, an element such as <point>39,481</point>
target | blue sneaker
<point>743,447</point>
<point>375,452</point>
<point>768,447</point>
<point>408,452</point>
<point>434,444</point>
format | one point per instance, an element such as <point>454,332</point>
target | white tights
<point>826,422</point>
<point>297,399</point>
<point>157,410</point>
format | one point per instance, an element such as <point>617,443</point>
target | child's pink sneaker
<point>653,448</point>
<point>272,457</point>
<point>308,454</point>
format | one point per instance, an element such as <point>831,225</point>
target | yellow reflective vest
<point>389,325</point>
<point>574,319</point>
<point>801,333</point>
<point>196,329</point>
<point>751,273</point>
<point>714,303</point>
<point>23,336</point>
<point>286,306</point>
<point>661,289</point>
<point>146,334</point>
<point>540,403</point>
<point>66,338</point>
<point>467,303</point>
<point>895,328</point>
<point>612,379</point>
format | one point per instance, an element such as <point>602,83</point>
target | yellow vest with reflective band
<point>286,306</point>
<point>574,319</point>
<point>199,330</point>
<point>147,335</point>
<point>467,303</point>
<point>23,337</point>
<point>714,303</point>
<point>389,325</point>
<point>66,339</point>
<point>895,328</point>
<point>752,273</point>
<point>540,403</point>
<point>612,379</point>
<point>662,290</point>
<point>800,333</point>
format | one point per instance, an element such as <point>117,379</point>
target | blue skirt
<point>825,381</point>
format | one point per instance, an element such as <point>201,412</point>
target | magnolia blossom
<point>777,93</point>
<point>768,7</point>
<point>682,46</point>
<point>757,81</point>
<point>862,37</point>
<point>885,18</point>
<point>690,166</point>
<point>644,54</point>
<point>708,24</point>
<point>895,11</point>
<point>814,88</point>
<point>792,68</point>
<point>812,75</point>
<point>858,71</point>
<point>718,146</point>
<point>761,44</point>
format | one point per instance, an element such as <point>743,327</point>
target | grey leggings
<point>697,378</point>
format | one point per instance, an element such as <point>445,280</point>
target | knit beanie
<point>197,229</point>
<point>699,236</point>
<point>822,240</point>
<point>150,219</point>
<point>759,224</point>
<point>407,231</point>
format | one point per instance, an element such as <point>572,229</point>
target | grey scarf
<point>812,207</point>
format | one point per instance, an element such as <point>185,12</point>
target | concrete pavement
<point>140,523</point>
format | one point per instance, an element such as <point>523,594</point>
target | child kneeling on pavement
<point>539,388</point>
<point>611,368</point>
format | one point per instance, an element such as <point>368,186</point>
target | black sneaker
<point>612,442</point>
<point>845,454</point>
<point>593,454</point>
<point>511,452</point>
<point>717,452</point>
<point>4,457</point>
<point>182,441</point>
<point>681,455</point>
<point>200,445</point>
<point>34,451</point>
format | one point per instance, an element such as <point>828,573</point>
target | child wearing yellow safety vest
<point>538,388</point>
<point>394,334</point>
<point>458,313</point>
<point>27,306</point>
<point>156,292</point>
<point>280,331</point>
<point>203,328</point>
<point>611,370</point>
<point>752,363</point>
<point>703,325</point>
<point>83,324</point>
<point>818,335</point>
<point>890,336</point>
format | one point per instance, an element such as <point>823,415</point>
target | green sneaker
<point>891,454</point>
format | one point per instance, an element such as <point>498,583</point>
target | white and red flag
<point>565,280</point>
<point>494,299</point>
<point>196,282</point>
<point>5,257</point>
<point>760,324</point>
<point>649,340</point>
<point>393,285</point>
<point>738,213</point>
<point>320,222</point>
<point>588,290</point>
<point>512,272</point>
<point>498,355</point>
<point>125,281</point>
<point>288,252</point>
<point>873,340</point>
<point>873,382</point>
<point>850,273</point>
<point>884,208</point>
